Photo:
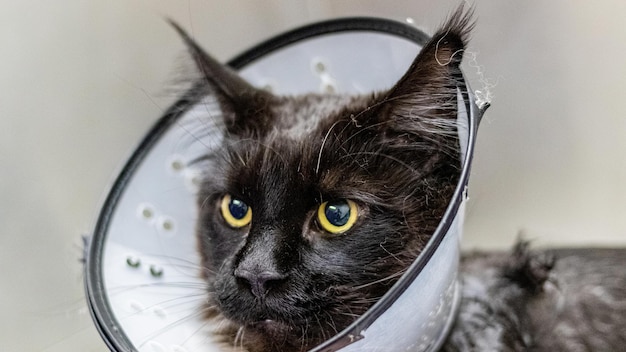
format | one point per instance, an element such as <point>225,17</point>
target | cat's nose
<point>260,282</point>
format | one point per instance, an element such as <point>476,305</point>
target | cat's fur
<point>570,300</point>
<point>396,155</point>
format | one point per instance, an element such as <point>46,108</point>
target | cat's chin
<point>272,327</point>
<point>281,336</point>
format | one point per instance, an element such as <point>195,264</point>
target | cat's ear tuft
<point>444,51</point>
<point>451,39</point>
<point>428,90</point>
<point>220,76</point>
<point>238,98</point>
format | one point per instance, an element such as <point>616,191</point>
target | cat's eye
<point>235,212</point>
<point>337,216</point>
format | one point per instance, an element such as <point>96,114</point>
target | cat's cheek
<point>217,240</point>
<point>226,297</point>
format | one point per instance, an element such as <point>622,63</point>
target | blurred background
<point>82,81</point>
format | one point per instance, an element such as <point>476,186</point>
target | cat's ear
<point>428,90</point>
<point>243,105</point>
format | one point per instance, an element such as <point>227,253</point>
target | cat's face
<point>317,204</point>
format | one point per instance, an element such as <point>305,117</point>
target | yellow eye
<point>337,216</point>
<point>236,213</point>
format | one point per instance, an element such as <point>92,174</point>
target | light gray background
<point>82,81</point>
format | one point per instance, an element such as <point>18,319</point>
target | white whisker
<point>319,157</point>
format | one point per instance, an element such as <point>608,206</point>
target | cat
<point>570,300</point>
<point>318,203</point>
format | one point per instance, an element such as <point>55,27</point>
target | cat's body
<point>317,204</point>
<point>570,300</point>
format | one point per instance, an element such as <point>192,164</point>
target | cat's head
<point>316,204</point>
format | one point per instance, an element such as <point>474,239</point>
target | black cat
<point>318,203</point>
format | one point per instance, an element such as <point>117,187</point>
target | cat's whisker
<point>319,156</point>
<point>181,266</point>
<point>372,106</point>
<point>196,139</point>
<point>191,264</point>
<point>200,328</point>
<point>321,328</point>
<point>390,157</point>
<point>390,254</point>
<point>304,335</point>
<point>378,281</point>
<point>166,305</point>
<point>239,336</point>
<point>362,130</point>
<point>173,284</point>
<point>348,314</point>
<point>331,322</point>
<point>418,100</point>
<point>266,146</point>
<point>164,329</point>
<point>204,203</point>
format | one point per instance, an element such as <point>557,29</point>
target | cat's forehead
<point>302,117</point>
<point>301,147</point>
